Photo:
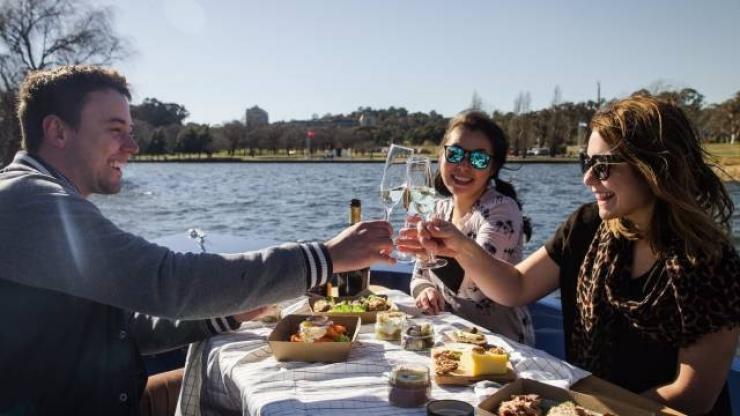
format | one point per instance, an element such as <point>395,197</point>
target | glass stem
<point>432,257</point>
<point>388,212</point>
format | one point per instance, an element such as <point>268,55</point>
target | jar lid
<point>395,315</point>
<point>420,328</point>
<point>410,374</point>
<point>449,408</point>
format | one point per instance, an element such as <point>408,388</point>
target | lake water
<point>303,201</point>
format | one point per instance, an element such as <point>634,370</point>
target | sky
<point>299,58</point>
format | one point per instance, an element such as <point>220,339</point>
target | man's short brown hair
<point>62,92</point>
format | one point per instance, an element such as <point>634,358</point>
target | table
<point>236,374</point>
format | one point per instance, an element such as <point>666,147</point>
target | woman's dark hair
<point>477,121</point>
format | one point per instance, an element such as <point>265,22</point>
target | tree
<point>690,101</point>
<point>194,138</point>
<point>159,114</point>
<point>291,138</point>
<point>520,127</point>
<point>557,129</point>
<point>476,103</point>
<point>725,118</point>
<point>158,144</point>
<point>142,132</point>
<point>39,34</point>
<point>235,133</point>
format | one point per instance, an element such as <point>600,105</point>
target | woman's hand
<point>408,237</point>
<point>441,238</point>
<point>430,301</point>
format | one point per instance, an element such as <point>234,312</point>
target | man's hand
<point>408,238</point>
<point>255,314</point>
<point>361,245</point>
<point>430,301</point>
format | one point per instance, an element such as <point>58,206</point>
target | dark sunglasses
<point>600,164</point>
<point>478,158</point>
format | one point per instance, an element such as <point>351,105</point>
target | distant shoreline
<point>321,160</point>
<point>729,165</point>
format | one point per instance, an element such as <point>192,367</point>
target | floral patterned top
<point>495,222</point>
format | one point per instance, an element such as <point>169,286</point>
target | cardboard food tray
<point>461,377</point>
<point>331,352</point>
<point>601,405</point>
<point>366,317</point>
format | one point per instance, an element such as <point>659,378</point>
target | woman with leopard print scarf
<point>649,279</point>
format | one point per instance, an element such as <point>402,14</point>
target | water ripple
<point>290,202</point>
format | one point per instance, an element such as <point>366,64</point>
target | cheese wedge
<point>478,362</point>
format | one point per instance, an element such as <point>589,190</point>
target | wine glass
<point>393,187</point>
<point>423,197</point>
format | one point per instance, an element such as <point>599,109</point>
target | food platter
<point>463,374</point>
<point>366,307</point>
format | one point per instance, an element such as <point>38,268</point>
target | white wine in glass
<point>424,198</point>
<point>393,187</point>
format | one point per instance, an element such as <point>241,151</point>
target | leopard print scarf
<point>681,304</point>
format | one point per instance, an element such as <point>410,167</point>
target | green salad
<point>371,303</point>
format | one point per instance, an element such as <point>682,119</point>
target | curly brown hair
<point>693,210</point>
<point>61,91</point>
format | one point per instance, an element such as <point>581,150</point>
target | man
<point>70,280</point>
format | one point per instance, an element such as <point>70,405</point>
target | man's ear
<point>55,131</point>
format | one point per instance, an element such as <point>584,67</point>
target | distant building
<point>256,117</point>
<point>367,120</point>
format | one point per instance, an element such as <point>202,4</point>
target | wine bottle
<point>354,282</point>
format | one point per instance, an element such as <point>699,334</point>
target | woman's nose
<point>588,178</point>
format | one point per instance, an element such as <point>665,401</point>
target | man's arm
<point>509,285</point>
<point>702,371</point>
<point>155,335</point>
<point>62,242</point>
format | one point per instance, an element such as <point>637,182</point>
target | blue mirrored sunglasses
<point>478,158</point>
<point>599,164</point>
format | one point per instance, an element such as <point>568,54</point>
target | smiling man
<point>81,299</point>
<point>90,145</point>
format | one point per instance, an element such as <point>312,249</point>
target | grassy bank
<point>726,155</point>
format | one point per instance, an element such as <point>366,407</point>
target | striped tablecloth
<point>236,374</point>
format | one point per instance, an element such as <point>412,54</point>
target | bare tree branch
<point>37,34</point>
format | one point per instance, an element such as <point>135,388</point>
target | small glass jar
<point>417,335</point>
<point>388,325</point>
<point>410,385</point>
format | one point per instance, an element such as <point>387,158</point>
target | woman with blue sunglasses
<point>486,209</point>
<point>648,275</point>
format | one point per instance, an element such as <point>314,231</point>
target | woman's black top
<point>643,363</point>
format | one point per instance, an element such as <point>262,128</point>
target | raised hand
<point>441,237</point>
<point>361,245</point>
<point>408,237</point>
